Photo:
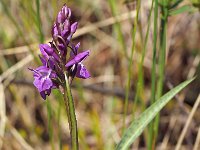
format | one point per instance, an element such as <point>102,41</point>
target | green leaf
<point>180,10</point>
<point>138,125</point>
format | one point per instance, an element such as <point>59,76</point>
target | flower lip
<point>82,72</point>
<point>44,80</point>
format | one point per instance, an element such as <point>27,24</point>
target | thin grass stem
<point>41,36</point>
<point>113,7</point>
<point>58,120</point>
<point>162,58</point>
<point>153,71</point>
<point>140,81</point>
<point>161,70</point>
<point>50,128</point>
<point>130,64</point>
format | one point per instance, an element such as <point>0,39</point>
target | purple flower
<point>62,28</point>
<point>64,14</point>
<point>55,56</point>
<point>75,62</point>
<point>44,80</point>
<point>48,52</point>
<point>49,57</point>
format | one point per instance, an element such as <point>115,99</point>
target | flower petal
<point>43,95</point>
<point>43,60</point>
<point>44,48</point>
<point>54,31</point>
<point>74,50</point>
<point>60,17</point>
<point>46,83</point>
<point>82,72</point>
<point>42,69</point>
<point>43,78</point>
<point>74,27</point>
<point>78,58</point>
<point>37,84</point>
<point>48,51</point>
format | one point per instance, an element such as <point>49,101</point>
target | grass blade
<point>137,126</point>
<point>153,72</point>
<point>118,27</point>
<point>41,35</point>
<point>130,64</point>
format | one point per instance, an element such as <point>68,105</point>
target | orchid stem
<point>69,103</point>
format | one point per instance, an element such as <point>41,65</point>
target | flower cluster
<point>60,56</point>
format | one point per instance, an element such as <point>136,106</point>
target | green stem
<point>153,72</point>
<point>41,36</point>
<point>69,103</point>
<point>130,64</point>
<point>113,6</point>
<point>140,81</point>
<point>162,57</point>
<point>161,72</point>
<point>50,127</point>
<point>59,128</point>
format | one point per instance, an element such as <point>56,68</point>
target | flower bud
<point>74,27</point>
<point>54,31</point>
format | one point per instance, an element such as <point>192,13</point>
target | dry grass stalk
<point>183,133</point>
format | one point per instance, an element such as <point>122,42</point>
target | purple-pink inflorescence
<point>55,59</point>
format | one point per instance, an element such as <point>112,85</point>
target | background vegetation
<point>125,61</point>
